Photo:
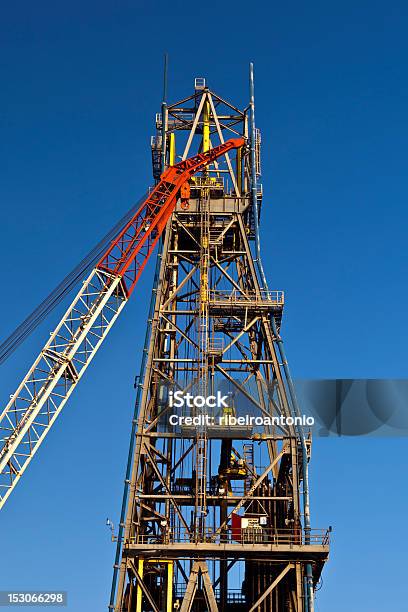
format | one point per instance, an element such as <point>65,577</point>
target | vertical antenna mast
<point>164,114</point>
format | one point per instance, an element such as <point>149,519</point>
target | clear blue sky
<point>80,84</point>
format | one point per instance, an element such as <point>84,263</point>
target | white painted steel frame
<point>39,399</point>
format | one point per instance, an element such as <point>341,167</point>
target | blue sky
<point>81,83</point>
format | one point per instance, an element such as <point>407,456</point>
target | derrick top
<point>129,252</point>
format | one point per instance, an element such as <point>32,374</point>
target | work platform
<point>256,552</point>
<point>279,546</point>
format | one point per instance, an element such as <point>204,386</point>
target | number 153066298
<point>33,598</point>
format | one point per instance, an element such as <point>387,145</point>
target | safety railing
<point>274,297</point>
<point>215,345</point>
<point>234,596</point>
<point>240,536</point>
<point>199,83</point>
<point>211,182</point>
<point>174,122</point>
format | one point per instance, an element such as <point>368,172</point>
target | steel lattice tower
<point>215,516</point>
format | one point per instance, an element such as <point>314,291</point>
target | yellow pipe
<point>139,590</point>
<point>206,126</point>
<point>169,587</point>
<point>239,169</point>
<point>169,563</point>
<point>172,149</point>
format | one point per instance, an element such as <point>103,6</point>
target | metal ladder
<point>249,463</point>
<point>203,332</point>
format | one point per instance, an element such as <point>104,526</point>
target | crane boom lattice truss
<point>43,392</point>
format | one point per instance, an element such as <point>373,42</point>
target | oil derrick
<point>215,511</point>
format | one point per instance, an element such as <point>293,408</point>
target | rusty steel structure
<point>215,512</point>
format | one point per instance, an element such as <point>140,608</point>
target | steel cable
<point>8,346</point>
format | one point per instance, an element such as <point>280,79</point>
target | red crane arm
<point>43,392</point>
<point>128,254</point>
